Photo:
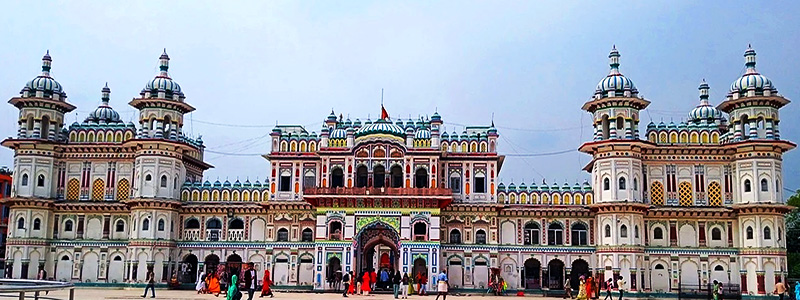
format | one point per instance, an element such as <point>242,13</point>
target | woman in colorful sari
<point>365,281</point>
<point>265,283</point>
<point>213,284</point>
<point>582,290</point>
<point>233,289</point>
<point>352,289</point>
<point>590,287</point>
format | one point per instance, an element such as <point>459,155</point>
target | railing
<point>213,234</point>
<point>378,191</point>
<point>21,287</point>
<point>191,234</point>
<point>236,235</point>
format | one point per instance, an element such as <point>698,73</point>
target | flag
<point>384,113</point>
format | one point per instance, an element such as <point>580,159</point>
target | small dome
<point>104,114</point>
<point>436,116</point>
<point>422,134</point>
<point>381,126</point>
<point>704,110</point>
<point>162,82</point>
<point>615,81</point>
<point>338,134</point>
<point>44,83</point>
<point>217,183</point>
<point>751,80</point>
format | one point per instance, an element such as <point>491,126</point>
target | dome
<point>104,114</point>
<point>615,81</point>
<point>44,83</point>
<point>381,126</point>
<point>338,134</point>
<point>422,134</point>
<point>751,80</point>
<point>162,82</point>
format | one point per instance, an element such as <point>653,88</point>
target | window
<point>308,235</point>
<point>148,177</point>
<point>555,234</point>
<point>40,180</point>
<point>455,236</point>
<point>659,267</point>
<point>335,231</point>
<point>120,227</point>
<point>767,233</point>
<point>455,183</point>
<point>163,181</point>
<point>420,231</point>
<point>480,237</point>
<point>213,224</point>
<point>764,185</point>
<point>635,184</point>
<point>361,176</point>
<point>531,234</point>
<point>24,180</point>
<point>622,183</point>
<point>607,231</point>
<point>579,234</point>
<point>68,226</point>
<point>658,233</point>
<point>337,177</point>
<point>749,232</point>
<point>37,224</point>
<point>421,178</point>
<point>161,225</point>
<point>716,234</point>
<point>21,223</point>
<point>192,224</point>
<point>719,268</point>
<point>606,184</point>
<point>623,231</point>
<point>397,176</point>
<point>747,185</point>
<point>309,180</point>
<point>237,224</point>
<point>480,183</point>
<point>286,181</point>
<point>146,224</point>
<point>283,235</point>
<point>636,231</point>
<point>379,176</point>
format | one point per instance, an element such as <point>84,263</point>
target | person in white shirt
<point>621,286</point>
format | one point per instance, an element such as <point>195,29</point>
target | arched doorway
<point>378,249</point>
<point>211,263</point>
<point>397,176</point>
<point>379,176</point>
<point>555,274</point>
<point>420,267</point>
<point>579,268</point>
<point>532,274</point>
<point>189,269</point>
<point>333,272</point>
<point>234,265</point>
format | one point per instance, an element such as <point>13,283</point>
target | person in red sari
<point>352,289</point>
<point>365,281</point>
<point>265,283</point>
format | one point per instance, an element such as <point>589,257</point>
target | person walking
<point>265,283</point>
<point>201,284</point>
<point>621,286</point>
<point>404,285</point>
<point>780,289</point>
<point>346,281</point>
<point>396,278</point>
<point>365,282</point>
<point>151,282</point>
<point>352,290</point>
<point>568,288</point>
<point>442,285</point>
<point>609,287</point>
<point>590,287</point>
<point>582,295</point>
<point>233,292</point>
<point>250,280</point>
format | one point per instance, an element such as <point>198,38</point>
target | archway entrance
<point>555,274</point>
<point>211,263</point>
<point>234,265</point>
<point>579,268</point>
<point>189,269</point>
<point>532,274</point>
<point>333,272</point>
<point>377,250</point>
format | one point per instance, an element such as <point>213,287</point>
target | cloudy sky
<point>247,65</point>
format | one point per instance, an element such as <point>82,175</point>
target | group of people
<point>214,282</point>
<point>402,285</point>
<point>588,289</point>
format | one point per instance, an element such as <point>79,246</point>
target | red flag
<point>384,114</point>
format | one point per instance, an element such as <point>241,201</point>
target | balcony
<point>236,235</point>
<point>213,235</point>
<point>371,191</point>
<point>191,234</point>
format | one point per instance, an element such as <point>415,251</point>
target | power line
<point>541,154</point>
<point>234,154</point>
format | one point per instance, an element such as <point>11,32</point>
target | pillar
<point>633,280</point>
<point>743,281</point>
<point>760,281</point>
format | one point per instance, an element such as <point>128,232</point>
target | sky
<point>530,65</point>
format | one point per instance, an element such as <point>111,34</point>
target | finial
<point>750,60</point>
<point>46,62</point>
<point>703,92</point>
<point>613,60</point>
<point>106,93</point>
<point>163,61</point>
<point>493,119</point>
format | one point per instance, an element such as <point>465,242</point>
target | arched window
<point>148,177</point>
<point>24,180</point>
<point>480,237</point>
<point>378,176</point>
<point>605,127</point>
<point>361,176</point>
<point>160,225</point>
<point>337,177</point>
<point>620,124</point>
<point>636,231</point>
<point>531,233</point>
<point>659,267</point>
<point>192,224</point>
<point>606,184</point>
<point>622,183</point>
<point>283,235</point>
<point>555,234</point>
<point>658,233</point>
<point>421,178</point>
<point>335,231</point>
<point>607,231</point>
<point>455,182</point>
<point>480,183</point>
<point>747,185</point>
<point>146,224</point>
<point>635,184</point>
<point>214,224</point>
<point>397,176</point>
<point>749,232</point>
<point>68,226</point>
<point>40,180</point>
<point>163,181</point>
<point>308,235</point>
<point>286,180</point>
<point>716,234</point>
<point>120,226</point>
<point>719,268</point>
<point>237,224</point>
<point>420,231</point>
<point>37,224</point>
<point>767,233</point>
<point>455,236</point>
<point>623,231</point>
<point>45,127</point>
<point>764,185</point>
<point>21,223</point>
<point>579,234</point>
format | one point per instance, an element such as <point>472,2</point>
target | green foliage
<point>793,236</point>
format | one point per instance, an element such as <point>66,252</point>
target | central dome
<point>104,114</point>
<point>381,126</point>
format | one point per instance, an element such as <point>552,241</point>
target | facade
<point>685,204</point>
<point>5,192</point>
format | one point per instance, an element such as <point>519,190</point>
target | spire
<point>164,63</point>
<point>613,60</point>
<point>106,94</point>
<point>703,92</point>
<point>46,62</point>
<point>750,60</point>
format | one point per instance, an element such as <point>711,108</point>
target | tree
<point>793,236</point>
